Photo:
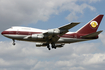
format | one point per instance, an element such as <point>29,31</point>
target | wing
<point>69,26</point>
<point>52,35</point>
<point>45,44</point>
<point>64,29</point>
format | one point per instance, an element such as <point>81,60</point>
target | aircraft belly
<point>15,36</point>
<point>21,38</point>
<point>32,40</point>
<point>61,40</point>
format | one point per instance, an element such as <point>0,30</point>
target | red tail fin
<point>91,26</point>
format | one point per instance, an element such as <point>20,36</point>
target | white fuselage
<point>19,33</point>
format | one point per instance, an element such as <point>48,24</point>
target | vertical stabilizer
<point>91,26</point>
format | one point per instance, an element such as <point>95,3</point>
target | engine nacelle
<point>54,31</point>
<point>37,36</point>
<point>59,45</point>
<point>40,44</point>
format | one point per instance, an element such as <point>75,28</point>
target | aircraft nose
<point>3,32</point>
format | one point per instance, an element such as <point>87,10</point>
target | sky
<point>47,14</point>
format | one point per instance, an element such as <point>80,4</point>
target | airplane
<point>57,37</point>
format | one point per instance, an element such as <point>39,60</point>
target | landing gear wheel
<point>53,46</point>
<point>13,42</point>
<point>48,46</point>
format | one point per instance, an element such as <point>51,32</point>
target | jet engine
<point>40,44</point>
<point>54,31</point>
<point>59,45</point>
<point>37,36</point>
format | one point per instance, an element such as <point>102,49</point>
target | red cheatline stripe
<point>20,32</point>
<point>30,33</point>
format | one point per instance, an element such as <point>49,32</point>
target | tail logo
<point>94,24</point>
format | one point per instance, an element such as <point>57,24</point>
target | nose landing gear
<point>13,41</point>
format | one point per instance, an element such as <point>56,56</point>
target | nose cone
<point>3,32</point>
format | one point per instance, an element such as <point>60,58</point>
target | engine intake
<point>59,45</point>
<point>40,44</point>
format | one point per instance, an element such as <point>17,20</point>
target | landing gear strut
<point>13,42</point>
<point>48,46</point>
<point>53,45</point>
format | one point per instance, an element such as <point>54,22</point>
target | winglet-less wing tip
<point>70,25</point>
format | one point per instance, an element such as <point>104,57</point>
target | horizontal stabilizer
<point>92,35</point>
<point>69,26</point>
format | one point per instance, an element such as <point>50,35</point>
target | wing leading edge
<point>69,26</point>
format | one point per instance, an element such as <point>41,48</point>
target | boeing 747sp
<point>56,37</point>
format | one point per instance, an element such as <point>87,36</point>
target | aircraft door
<point>17,32</point>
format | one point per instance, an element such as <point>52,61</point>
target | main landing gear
<point>52,45</point>
<point>13,41</point>
<point>48,46</point>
